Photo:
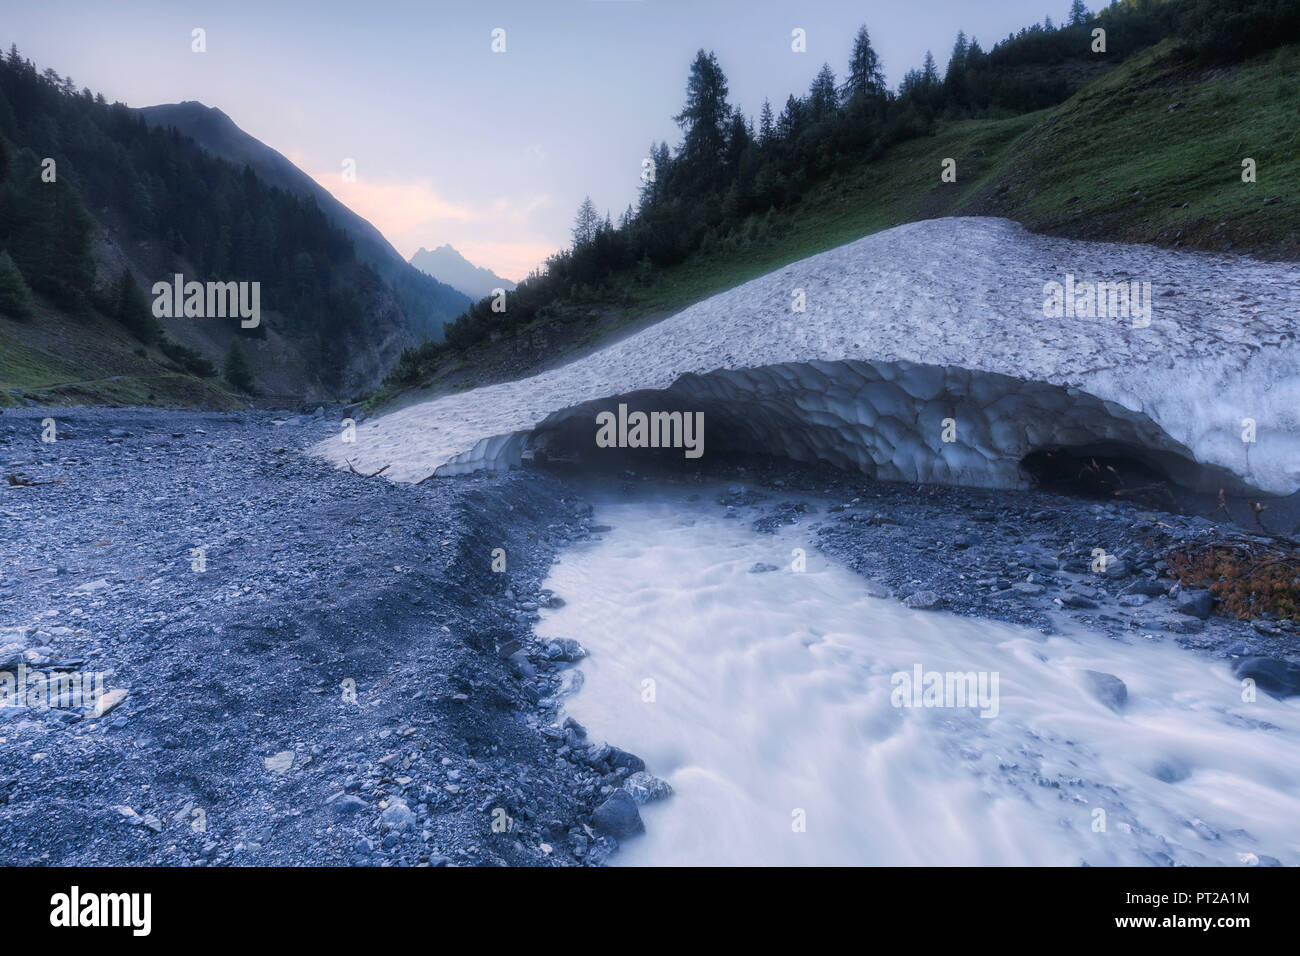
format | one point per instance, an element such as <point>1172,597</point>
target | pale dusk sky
<point>452,142</point>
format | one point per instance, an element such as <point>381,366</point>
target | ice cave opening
<point>895,421</point>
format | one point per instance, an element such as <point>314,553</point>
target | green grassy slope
<point>1114,162</point>
<point>1153,153</point>
<point>54,359</point>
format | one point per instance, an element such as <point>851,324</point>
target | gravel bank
<point>237,739</point>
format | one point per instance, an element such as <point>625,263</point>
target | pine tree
<point>131,308</point>
<point>15,297</point>
<point>765,123</point>
<point>821,95</point>
<point>791,121</point>
<point>954,80</point>
<point>704,119</point>
<point>957,62</point>
<point>866,79</point>
<point>1078,14</point>
<point>236,368</point>
<point>929,72</point>
<point>70,269</point>
<point>913,80</point>
<point>585,224</point>
<point>738,139</point>
<point>655,189</point>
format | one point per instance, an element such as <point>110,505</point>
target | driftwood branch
<point>372,474</point>
<point>20,481</point>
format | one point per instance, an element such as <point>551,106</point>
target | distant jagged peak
<point>446,264</point>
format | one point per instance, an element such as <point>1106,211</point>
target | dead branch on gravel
<point>21,481</point>
<point>372,474</point>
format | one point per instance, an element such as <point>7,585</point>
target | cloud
<point>412,213</point>
<point>509,259</point>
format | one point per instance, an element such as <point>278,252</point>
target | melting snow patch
<point>945,324</point>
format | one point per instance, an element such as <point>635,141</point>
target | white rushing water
<point>771,703</point>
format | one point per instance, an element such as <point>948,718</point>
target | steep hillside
<point>427,302</point>
<point>96,208</point>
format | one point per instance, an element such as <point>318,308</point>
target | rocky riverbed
<point>338,677</point>
<point>307,666</point>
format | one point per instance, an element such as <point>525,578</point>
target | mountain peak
<point>446,264</point>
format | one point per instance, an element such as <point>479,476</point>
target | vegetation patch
<point>1249,577</point>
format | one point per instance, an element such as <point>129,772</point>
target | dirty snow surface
<point>906,329</point>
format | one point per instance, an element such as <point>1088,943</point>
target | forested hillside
<point>740,195</point>
<point>427,303</point>
<point>96,206</point>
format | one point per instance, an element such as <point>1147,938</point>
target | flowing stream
<point>769,701</point>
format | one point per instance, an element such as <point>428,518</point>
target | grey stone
<point>1198,604</point>
<point>1148,586</point>
<point>646,788</point>
<point>618,816</point>
<point>922,601</point>
<point>1279,678</point>
<point>1108,689</point>
<point>564,649</point>
<point>1116,568</point>
<point>396,816</point>
<point>621,758</point>
<point>350,804</point>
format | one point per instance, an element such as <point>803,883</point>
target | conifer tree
<point>585,224</point>
<point>15,297</point>
<point>866,78</point>
<point>131,308</point>
<point>236,368</point>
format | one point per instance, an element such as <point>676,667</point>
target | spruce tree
<point>15,297</point>
<point>704,120</point>
<point>236,368</point>
<point>765,122</point>
<point>866,79</point>
<point>821,95</point>
<point>930,73</point>
<point>954,80</point>
<point>131,308</point>
<point>585,224</point>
